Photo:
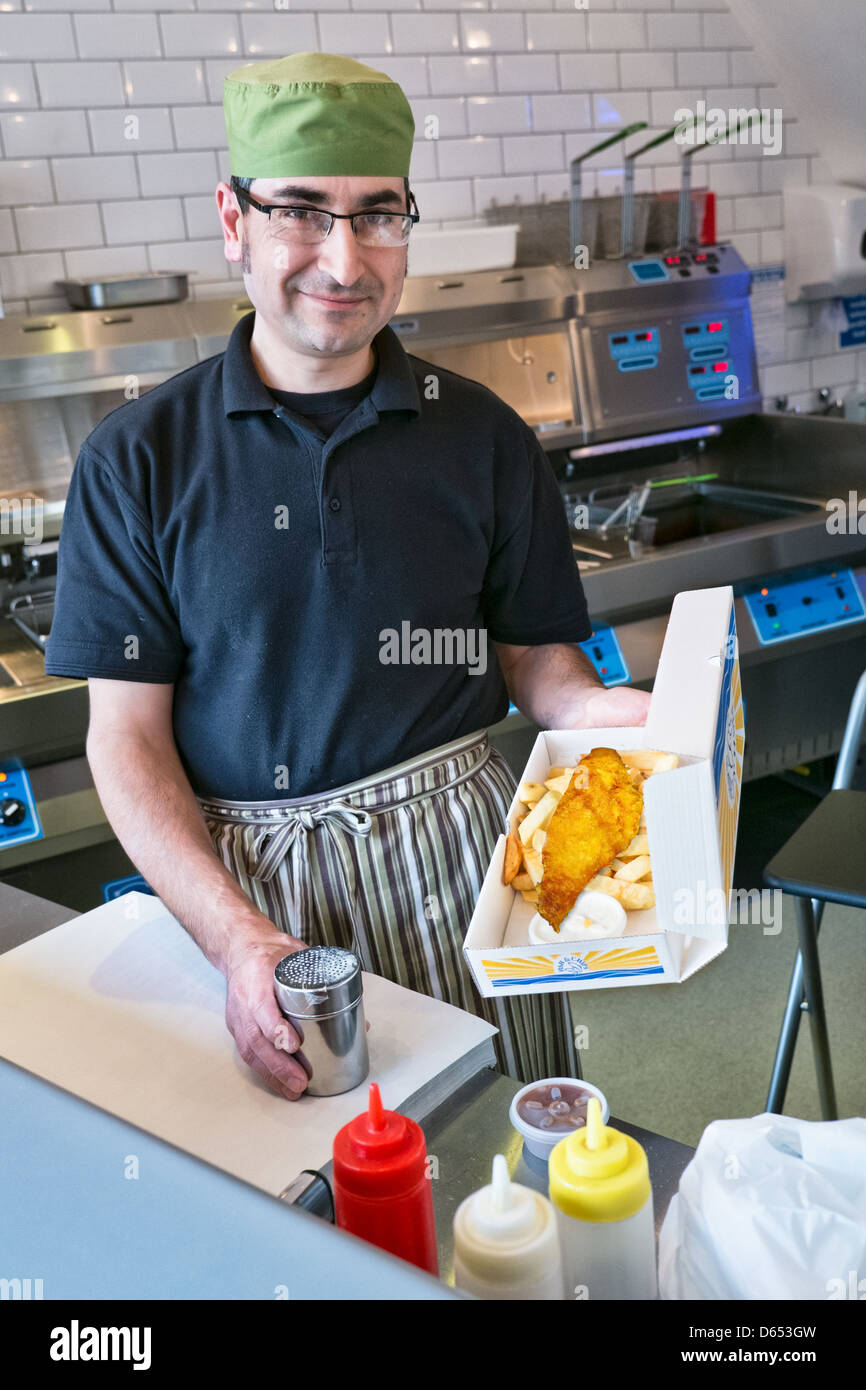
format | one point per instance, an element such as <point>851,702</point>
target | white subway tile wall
<point>112,137</point>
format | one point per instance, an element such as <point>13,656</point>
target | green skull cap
<point>318,114</point>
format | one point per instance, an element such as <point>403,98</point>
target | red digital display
<point>720,366</point>
<point>714,327</point>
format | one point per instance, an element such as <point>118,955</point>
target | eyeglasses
<point>307,226</point>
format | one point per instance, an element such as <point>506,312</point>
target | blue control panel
<point>704,337</point>
<point>648,272</point>
<point>634,349</point>
<point>134,883</point>
<point>19,819</point>
<point>785,609</point>
<point>710,365</point>
<point>605,653</point>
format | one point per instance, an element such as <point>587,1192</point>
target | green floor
<point>674,1057</point>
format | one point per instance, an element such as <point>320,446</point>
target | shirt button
<point>335,504</point>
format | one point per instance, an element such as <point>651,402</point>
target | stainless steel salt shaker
<point>320,992</point>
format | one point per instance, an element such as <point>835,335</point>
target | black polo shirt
<point>299,589</point>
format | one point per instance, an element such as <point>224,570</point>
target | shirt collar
<point>395,387</point>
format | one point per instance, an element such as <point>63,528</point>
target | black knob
<point>12,811</point>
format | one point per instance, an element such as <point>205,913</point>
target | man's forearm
<point>152,809</point>
<point>551,684</point>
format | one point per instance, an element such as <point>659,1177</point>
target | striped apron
<point>391,867</point>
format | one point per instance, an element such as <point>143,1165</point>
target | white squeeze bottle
<point>505,1242</point>
<point>600,1190</point>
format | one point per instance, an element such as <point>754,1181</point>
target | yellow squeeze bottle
<point>601,1194</point>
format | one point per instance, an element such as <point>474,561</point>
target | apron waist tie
<point>267,854</point>
<point>283,827</point>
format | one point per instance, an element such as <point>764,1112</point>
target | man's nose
<point>340,254</point>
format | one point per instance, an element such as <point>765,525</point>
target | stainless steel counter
<point>465,1133</point>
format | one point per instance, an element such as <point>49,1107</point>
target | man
<point>258,562</point>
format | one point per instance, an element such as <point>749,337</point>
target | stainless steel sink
<point>672,515</point>
<point>693,510</point>
<point>22,653</point>
<point>33,615</point>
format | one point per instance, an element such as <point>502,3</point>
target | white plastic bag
<point>769,1207</point>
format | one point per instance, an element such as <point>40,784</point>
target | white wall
<point>518,86</point>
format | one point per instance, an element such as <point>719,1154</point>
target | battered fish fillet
<point>598,816</point>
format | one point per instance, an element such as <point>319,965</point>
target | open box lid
<point>696,710</point>
<point>692,667</point>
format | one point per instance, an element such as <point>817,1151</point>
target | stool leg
<point>787,1041</point>
<point>807,933</point>
<point>790,1028</point>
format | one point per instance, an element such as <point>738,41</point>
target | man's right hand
<point>265,1039</point>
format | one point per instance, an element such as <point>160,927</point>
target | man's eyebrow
<point>315,195</point>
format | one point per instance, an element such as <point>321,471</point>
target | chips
<point>628,877</point>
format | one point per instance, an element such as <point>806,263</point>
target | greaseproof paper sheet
<point>120,1007</point>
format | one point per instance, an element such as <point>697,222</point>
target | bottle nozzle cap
<point>597,1173</point>
<point>504,1210</point>
<point>377,1131</point>
<point>375,1111</point>
<point>500,1185</point>
<point>595,1128</point>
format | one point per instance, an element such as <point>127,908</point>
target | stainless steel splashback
<point>484,304</point>
<point>63,354</point>
<point>60,374</point>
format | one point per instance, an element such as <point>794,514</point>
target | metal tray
<point>112,291</point>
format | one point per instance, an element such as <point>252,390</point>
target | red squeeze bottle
<point>381,1189</point>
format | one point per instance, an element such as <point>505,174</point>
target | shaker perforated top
<point>318,981</point>
<point>317,966</point>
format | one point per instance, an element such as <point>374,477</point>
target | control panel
<point>605,653</point>
<point>711,370</point>
<point>664,342</point>
<point>134,883</point>
<point>635,350</point>
<point>676,265</point>
<point>784,609</point>
<point>19,819</point>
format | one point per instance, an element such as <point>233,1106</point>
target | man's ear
<point>231,218</point>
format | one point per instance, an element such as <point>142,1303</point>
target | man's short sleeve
<point>532,590</point>
<point>112,614</point>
